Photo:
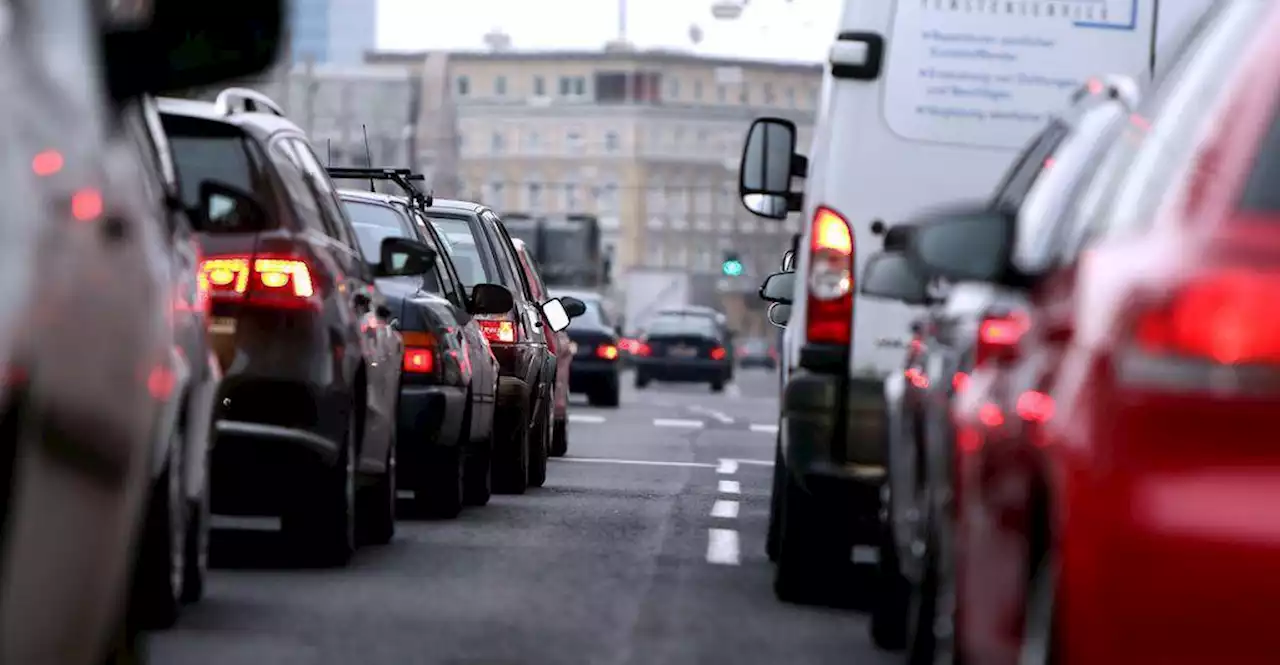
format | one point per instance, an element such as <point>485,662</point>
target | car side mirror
<point>788,261</point>
<point>223,207</point>
<point>778,288</point>
<point>490,299</point>
<point>890,275</point>
<point>965,245</point>
<point>174,44</point>
<point>768,163</point>
<point>559,311</point>
<point>403,257</point>
<point>779,314</point>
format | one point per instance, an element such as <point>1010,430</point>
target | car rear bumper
<point>680,370</point>
<point>590,374</point>
<point>428,417</point>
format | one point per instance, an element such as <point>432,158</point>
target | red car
<point>559,344</point>
<point>1117,491</point>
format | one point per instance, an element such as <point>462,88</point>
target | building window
<point>499,142</point>
<point>612,142</point>
<point>566,86</point>
<point>464,86</point>
<point>744,94</point>
<point>573,141</point>
<point>533,194</point>
<point>571,201</point>
<point>697,90</point>
<point>580,86</point>
<point>768,94</point>
<point>791,97</point>
<point>673,88</point>
<point>654,254</point>
<point>500,86</point>
<point>609,197</point>
<point>493,193</point>
<point>539,86</point>
<point>532,142</point>
<point>722,93</point>
<point>573,86</point>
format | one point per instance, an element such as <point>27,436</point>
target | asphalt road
<point>645,547</point>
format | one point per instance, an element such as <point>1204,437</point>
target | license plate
<point>684,352</point>
<point>222,325</point>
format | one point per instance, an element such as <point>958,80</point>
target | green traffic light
<point>731,268</point>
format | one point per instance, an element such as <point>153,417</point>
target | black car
<point>449,377</point>
<point>483,253</point>
<point>757,353</point>
<point>682,348</point>
<point>596,367</point>
<point>722,323</point>
<point>306,411</point>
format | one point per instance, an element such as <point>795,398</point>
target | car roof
<point>371,197</point>
<point>453,205</point>
<point>268,123</point>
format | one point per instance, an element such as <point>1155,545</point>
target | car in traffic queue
<point>727,334</point>
<point>1114,474</point>
<point>311,364</point>
<point>560,345</point>
<point>105,407</point>
<point>449,377</point>
<point>683,348</point>
<point>597,356</point>
<point>757,352</point>
<point>483,253</point>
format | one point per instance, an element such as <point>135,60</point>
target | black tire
<point>197,545</point>
<point>771,542</point>
<point>717,386</point>
<point>922,645</point>
<point>1038,643</point>
<point>161,566</point>
<point>559,438</point>
<point>642,381</point>
<point>813,549</point>
<point>539,449</point>
<point>128,646</point>
<point>477,483</point>
<point>443,492</point>
<point>510,468</point>
<point>609,396</point>
<point>891,603</point>
<point>376,504</point>
<point>322,524</point>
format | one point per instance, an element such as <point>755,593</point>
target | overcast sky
<point>768,29</point>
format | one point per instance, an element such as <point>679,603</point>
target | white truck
<point>647,291</point>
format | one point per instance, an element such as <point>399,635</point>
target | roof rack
<point>402,177</point>
<point>249,101</point>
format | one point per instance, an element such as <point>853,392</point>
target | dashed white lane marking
<point>755,462</point>
<point>677,422</point>
<point>245,523</point>
<point>634,462</point>
<point>712,413</point>
<point>724,509</point>
<point>727,466</point>
<point>764,428</point>
<point>732,390</point>
<point>585,418</point>
<point>722,547</point>
<point>730,487</point>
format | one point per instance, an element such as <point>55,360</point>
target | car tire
<point>717,386</point>
<point>376,504</point>
<point>891,601</point>
<point>609,396</point>
<point>477,482</point>
<point>161,567</point>
<point>128,646</point>
<point>199,524</point>
<point>539,450</point>
<point>642,381</point>
<point>323,522</point>
<point>511,455</point>
<point>922,644</point>
<point>1038,646</point>
<point>775,506</point>
<point>559,438</point>
<point>444,490</point>
<point>813,555</point>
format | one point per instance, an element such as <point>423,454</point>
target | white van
<point>924,103</point>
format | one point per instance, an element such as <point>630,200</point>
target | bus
<point>566,248</point>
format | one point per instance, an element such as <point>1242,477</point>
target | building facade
<point>332,31</point>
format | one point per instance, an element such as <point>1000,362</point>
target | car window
<point>536,286</point>
<point>507,254</point>
<point>300,194</point>
<point>373,223</point>
<point>1020,181</point>
<point>450,284</point>
<point>458,234</point>
<point>593,317</point>
<point>318,179</point>
<point>225,157</point>
<point>682,325</point>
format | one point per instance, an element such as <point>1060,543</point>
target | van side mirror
<point>779,314</point>
<point>890,276</point>
<point>788,261</point>
<point>176,44</point>
<point>768,163</point>
<point>490,299</point>
<point>778,288</point>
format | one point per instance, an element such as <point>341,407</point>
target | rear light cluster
<point>998,337</point>
<point>498,331</point>
<point>1229,318</point>
<point>607,352</point>
<point>276,281</point>
<point>641,349</point>
<point>829,309</point>
<point>917,377</point>
<point>419,352</point>
<point>718,353</point>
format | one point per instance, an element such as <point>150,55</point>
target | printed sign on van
<point>990,72</point>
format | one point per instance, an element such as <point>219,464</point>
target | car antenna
<point>328,152</point>
<point>368,155</point>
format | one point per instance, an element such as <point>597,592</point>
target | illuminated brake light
<point>718,353</point>
<point>998,337</point>
<point>607,351</point>
<point>86,205</point>
<point>641,349</point>
<point>1034,406</point>
<point>279,281</point>
<point>419,361</point>
<point>959,382</point>
<point>1228,318</point>
<point>498,330</point>
<point>829,316</point>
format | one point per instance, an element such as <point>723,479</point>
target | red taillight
<point>718,353</point>
<point>419,352</point>
<point>960,381</point>
<point>1229,318</point>
<point>607,351</point>
<point>500,331</point>
<point>829,317</point>
<point>998,337</point>
<point>641,349</point>
<point>282,281</point>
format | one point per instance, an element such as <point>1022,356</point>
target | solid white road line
<point>585,418</point>
<point>245,523</point>
<point>677,422</point>
<point>764,428</point>
<point>755,462</point>
<point>727,466</point>
<point>722,547</point>
<point>635,462</point>
<point>712,413</point>
<point>730,487</point>
<point>725,509</point>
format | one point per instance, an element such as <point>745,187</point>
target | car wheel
<point>476,481</point>
<point>443,492</point>
<point>376,504</point>
<point>641,380</point>
<point>539,445</point>
<point>1037,631</point>
<point>717,386</point>
<point>813,552</point>
<point>322,523</point>
<point>892,599</point>
<point>922,615</point>
<point>511,454</point>
<point>559,438</point>
<point>197,544</point>
<point>161,563</point>
<point>128,646</point>
<point>775,506</point>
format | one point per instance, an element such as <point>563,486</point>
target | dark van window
<point>229,160</point>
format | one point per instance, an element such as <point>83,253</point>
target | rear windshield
<point>374,223</point>
<point>226,159</point>
<point>457,234</point>
<point>683,325</point>
<point>591,318</point>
